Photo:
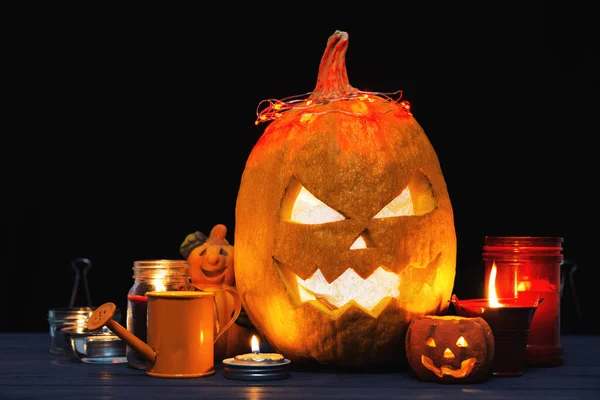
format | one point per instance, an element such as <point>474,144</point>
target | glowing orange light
<point>493,297</point>
<point>448,353</point>
<point>254,344</point>
<point>158,282</point>
<point>273,109</point>
<point>524,286</point>
<point>306,117</point>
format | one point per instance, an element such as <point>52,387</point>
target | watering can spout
<point>103,316</point>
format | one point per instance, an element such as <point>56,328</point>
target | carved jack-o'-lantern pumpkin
<point>450,349</point>
<point>344,228</point>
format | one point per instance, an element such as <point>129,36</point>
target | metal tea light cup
<point>181,332</point>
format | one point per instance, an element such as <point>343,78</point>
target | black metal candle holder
<point>256,370</point>
<point>510,324</point>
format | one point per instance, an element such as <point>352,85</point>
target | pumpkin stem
<point>332,81</point>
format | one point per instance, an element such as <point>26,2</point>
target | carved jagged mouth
<point>370,294</point>
<point>465,368</point>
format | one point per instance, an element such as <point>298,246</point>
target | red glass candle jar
<point>528,268</point>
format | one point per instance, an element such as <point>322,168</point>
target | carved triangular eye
<point>401,205</point>
<point>416,199</point>
<point>303,207</point>
<point>462,342</point>
<point>430,342</point>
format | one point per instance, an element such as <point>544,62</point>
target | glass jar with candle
<point>528,268</point>
<point>151,275</point>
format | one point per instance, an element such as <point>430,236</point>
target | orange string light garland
<point>271,109</point>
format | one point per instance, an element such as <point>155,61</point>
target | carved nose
<point>448,353</point>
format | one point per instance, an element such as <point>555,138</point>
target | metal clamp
<point>81,266</point>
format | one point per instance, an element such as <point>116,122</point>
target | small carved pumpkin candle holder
<point>450,349</point>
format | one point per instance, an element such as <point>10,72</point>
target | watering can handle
<point>237,307</point>
<point>572,269</point>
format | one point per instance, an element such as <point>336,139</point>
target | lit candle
<point>151,276</point>
<point>520,282</point>
<point>254,345</point>
<point>493,296</point>
<point>528,268</point>
<point>256,356</point>
<point>256,366</point>
<point>510,320</point>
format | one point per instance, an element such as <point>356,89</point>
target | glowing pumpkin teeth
<point>465,369</point>
<point>365,292</point>
<point>350,287</point>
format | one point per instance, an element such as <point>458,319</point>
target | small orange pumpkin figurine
<point>211,258</point>
<point>211,266</point>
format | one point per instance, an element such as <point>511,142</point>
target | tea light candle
<point>256,366</point>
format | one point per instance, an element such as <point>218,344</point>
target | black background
<point>125,130</point>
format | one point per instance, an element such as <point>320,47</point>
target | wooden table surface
<point>29,371</point>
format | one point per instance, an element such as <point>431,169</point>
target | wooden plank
<point>28,370</point>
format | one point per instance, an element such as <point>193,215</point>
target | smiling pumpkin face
<point>344,228</point>
<point>450,349</point>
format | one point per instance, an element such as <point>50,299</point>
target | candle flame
<point>158,282</point>
<point>493,297</point>
<point>254,344</point>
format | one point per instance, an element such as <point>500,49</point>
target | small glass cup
<point>96,347</point>
<point>66,321</point>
